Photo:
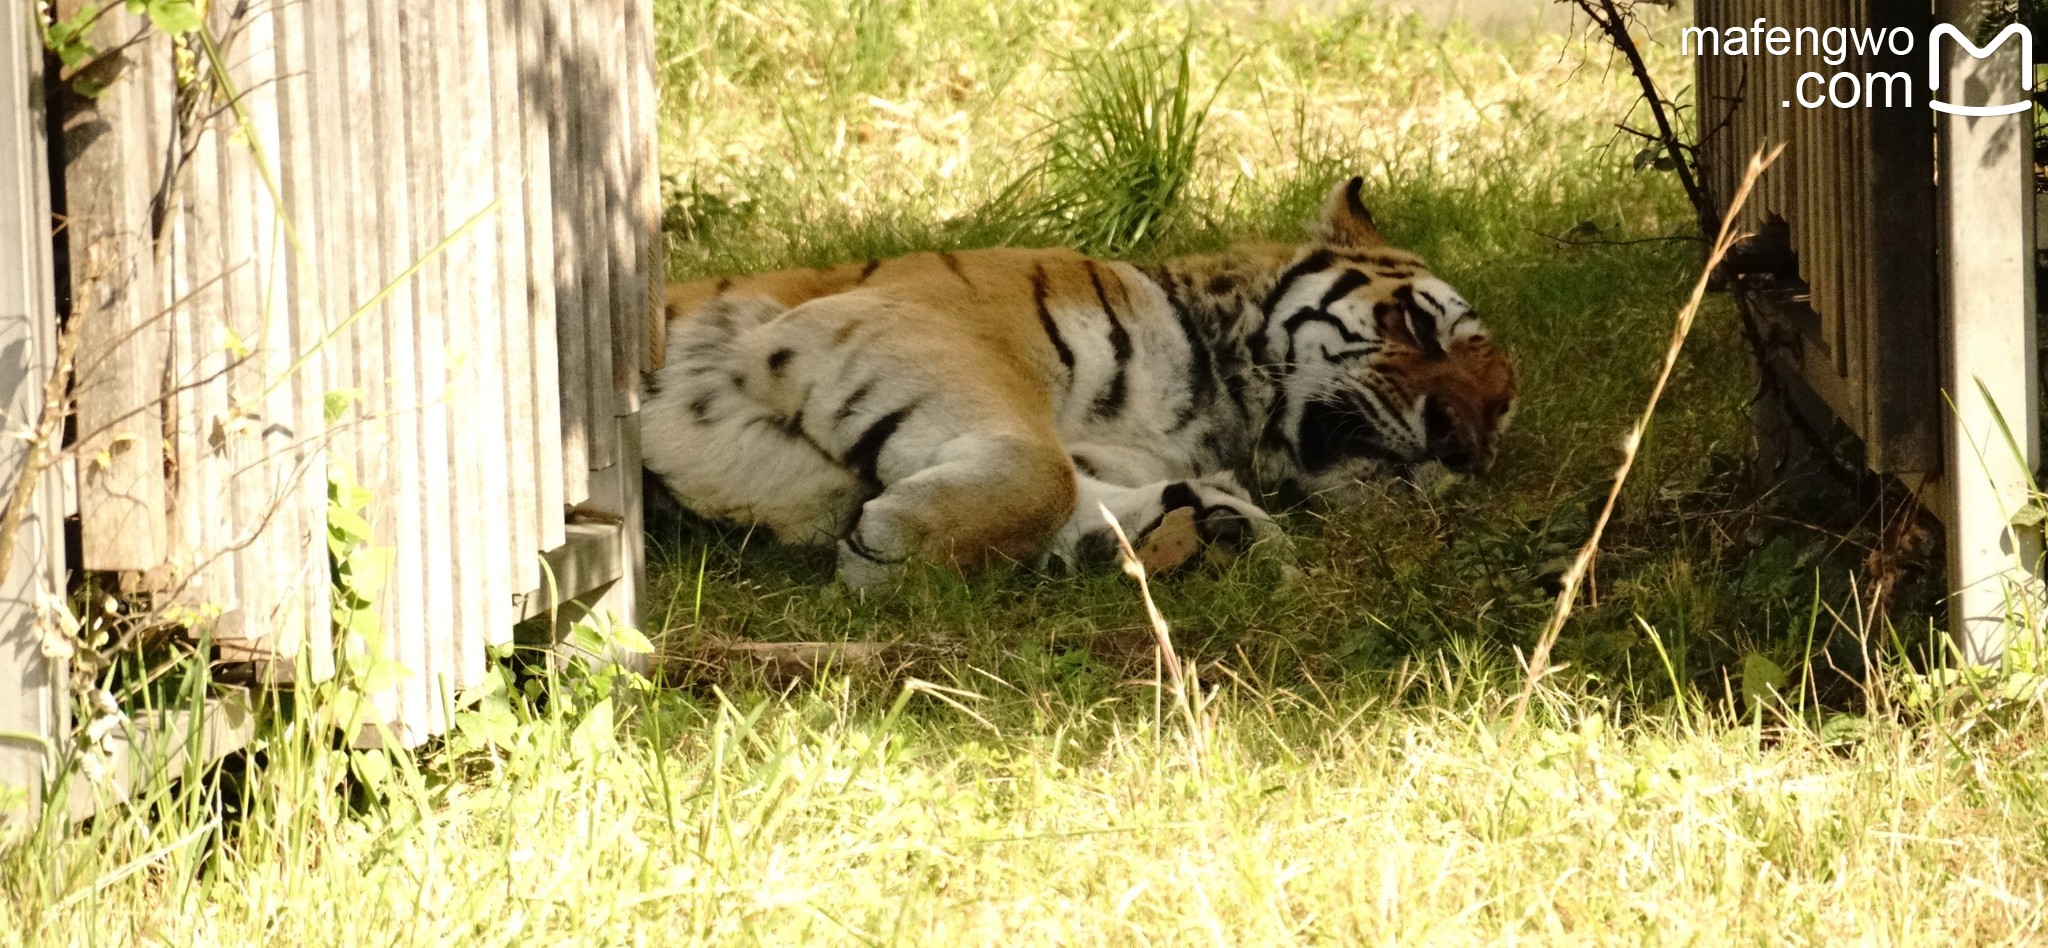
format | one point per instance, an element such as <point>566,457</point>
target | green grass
<point>1008,771</point>
<point>1147,131</point>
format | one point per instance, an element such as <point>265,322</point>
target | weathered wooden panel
<point>480,413</point>
<point>297,390</point>
<point>252,271</point>
<point>625,167</point>
<point>539,77</point>
<point>370,431</point>
<point>1903,348</point>
<point>520,447</point>
<point>116,298</point>
<point>203,570</point>
<point>1856,239</point>
<point>596,67</point>
<point>381,152</point>
<point>644,142</point>
<point>421,44</point>
<point>491,164</point>
<point>558,69</point>
<point>646,137</point>
<point>33,696</point>
<point>281,574</point>
<point>1853,190</point>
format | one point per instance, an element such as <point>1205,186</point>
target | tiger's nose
<point>1483,459</point>
<point>1464,458</point>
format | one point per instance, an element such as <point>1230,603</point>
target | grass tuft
<point>1118,160</point>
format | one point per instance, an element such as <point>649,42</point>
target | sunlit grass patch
<point>1395,810</point>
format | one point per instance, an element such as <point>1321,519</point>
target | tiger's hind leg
<point>972,499</point>
<point>1224,515</point>
<point>723,453</point>
<point>946,442</point>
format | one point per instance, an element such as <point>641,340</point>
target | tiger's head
<point>1381,366</point>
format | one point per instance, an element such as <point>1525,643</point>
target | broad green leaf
<point>1761,678</point>
<point>629,639</point>
<point>347,523</point>
<point>593,735</point>
<point>372,767</point>
<point>2033,514</point>
<point>339,401</point>
<point>176,17</point>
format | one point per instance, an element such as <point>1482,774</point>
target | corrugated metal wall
<point>229,251</point>
<point>1854,195</point>
<point>33,693</point>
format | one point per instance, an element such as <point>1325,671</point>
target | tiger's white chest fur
<point>1141,396</point>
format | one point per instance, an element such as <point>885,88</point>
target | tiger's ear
<point>1346,222</point>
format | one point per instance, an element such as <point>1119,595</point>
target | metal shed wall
<point>413,243</point>
<point>1898,244</point>
<point>33,694</point>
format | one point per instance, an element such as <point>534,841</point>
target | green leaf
<point>339,401</point>
<point>176,17</point>
<point>1841,729</point>
<point>345,708</point>
<point>587,637</point>
<point>349,524</point>
<point>382,675</point>
<point>372,767</point>
<point>593,735</point>
<point>490,725</point>
<point>232,342</point>
<point>369,571</point>
<point>2033,514</point>
<point>1761,678</point>
<point>67,38</point>
<point>365,624</point>
<point>629,639</point>
<point>357,498</point>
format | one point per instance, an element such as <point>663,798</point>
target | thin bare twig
<point>1539,660</point>
<point>1604,242</point>
<point>44,446</point>
<point>1727,117</point>
<point>1614,23</point>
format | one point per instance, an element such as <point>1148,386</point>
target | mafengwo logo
<point>1979,52</point>
<point>1834,45</point>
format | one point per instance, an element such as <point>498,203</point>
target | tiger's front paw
<point>1208,516</point>
<point>1224,516</point>
<point>863,567</point>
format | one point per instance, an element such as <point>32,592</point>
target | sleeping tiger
<point>977,406</point>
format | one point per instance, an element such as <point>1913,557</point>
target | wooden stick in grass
<point>1539,660</point>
